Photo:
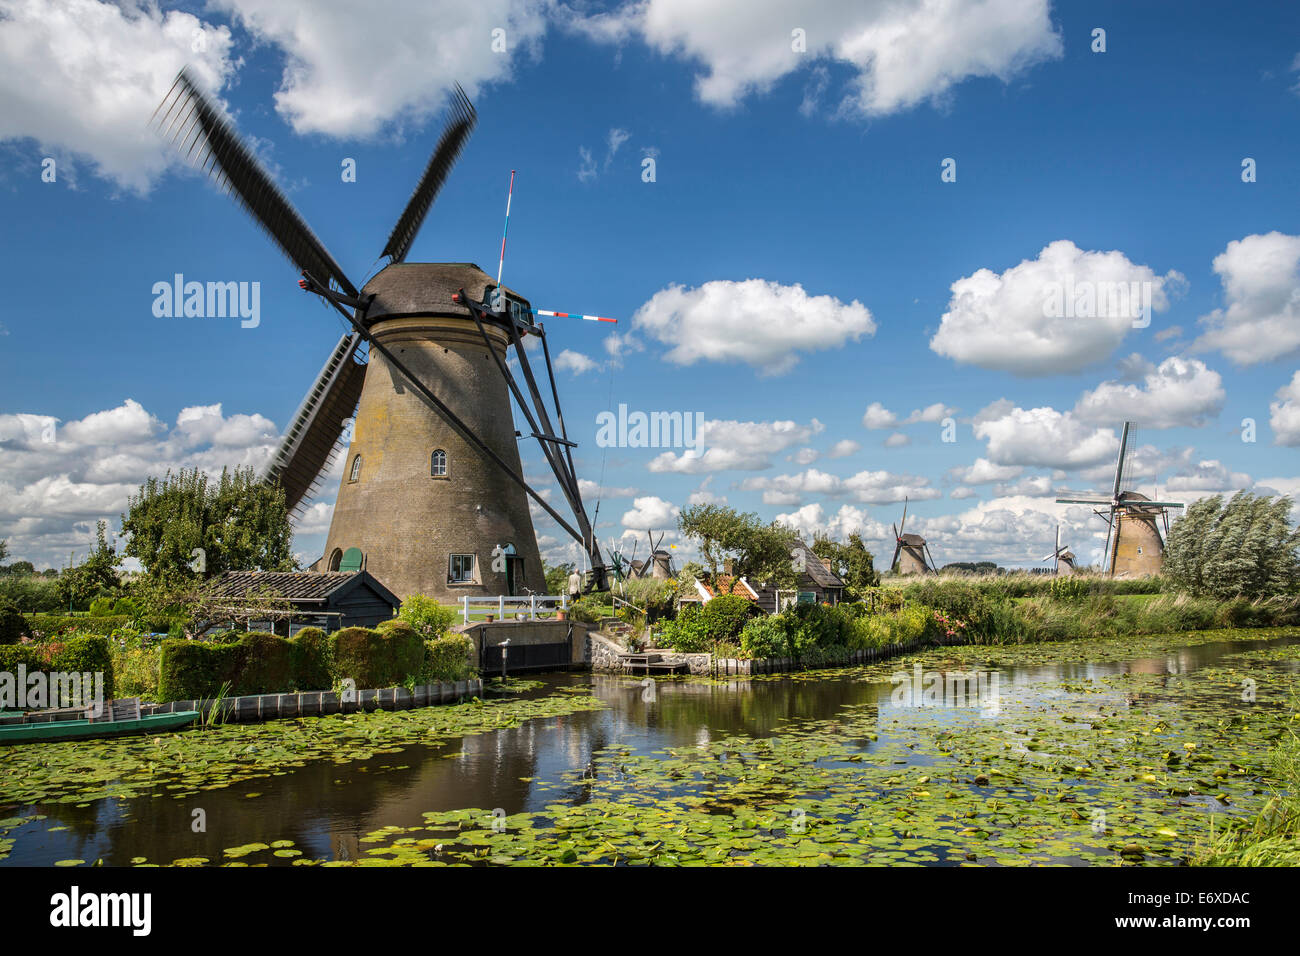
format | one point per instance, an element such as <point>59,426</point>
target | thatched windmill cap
<point>425,288</point>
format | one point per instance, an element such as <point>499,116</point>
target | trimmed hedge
<point>76,655</point>
<point>310,653</point>
<point>52,625</point>
<point>262,663</point>
<point>449,658</point>
<point>377,658</point>
<point>257,663</point>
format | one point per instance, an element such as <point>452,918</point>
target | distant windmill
<point>659,564</point>
<point>1062,557</point>
<point>1134,546</point>
<point>911,553</point>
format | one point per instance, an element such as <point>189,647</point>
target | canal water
<point>894,721</point>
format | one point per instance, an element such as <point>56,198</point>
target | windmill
<point>659,563</point>
<point>911,553</point>
<point>1134,546</point>
<point>433,498</point>
<point>1062,557</point>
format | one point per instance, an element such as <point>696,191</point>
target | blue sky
<point>918,300</point>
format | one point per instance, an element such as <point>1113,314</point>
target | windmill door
<point>514,573</point>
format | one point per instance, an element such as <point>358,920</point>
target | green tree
<point>187,525</point>
<point>758,551</point>
<point>428,618</point>
<point>851,561</point>
<point>4,548</point>
<point>1247,547</point>
<point>95,576</point>
<point>557,576</point>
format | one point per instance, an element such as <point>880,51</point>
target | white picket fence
<point>505,607</point>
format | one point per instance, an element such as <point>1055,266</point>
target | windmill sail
<point>198,127</point>
<point>454,136</point>
<point>311,441</point>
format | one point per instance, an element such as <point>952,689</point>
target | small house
<point>817,583</point>
<point>331,601</point>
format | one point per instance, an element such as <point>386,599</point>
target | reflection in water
<point>324,808</point>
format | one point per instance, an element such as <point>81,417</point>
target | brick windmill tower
<point>433,498</point>
<point>1134,545</point>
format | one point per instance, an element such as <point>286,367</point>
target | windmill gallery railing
<point>534,607</point>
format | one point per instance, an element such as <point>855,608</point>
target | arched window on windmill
<point>355,473</point>
<point>438,464</point>
<point>335,559</point>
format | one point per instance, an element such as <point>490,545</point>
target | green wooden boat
<point>52,730</point>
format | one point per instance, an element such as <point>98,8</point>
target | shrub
<point>191,670</point>
<point>449,658</point>
<point>872,630</point>
<point>55,625</point>
<point>428,618</point>
<point>78,655</point>
<point>12,624</point>
<point>688,634</point>
<point>264,665</point>
<point>377,659</point>
<point>654,596</point>
<point>309,651</point>
<point>136,670</point>
<point>726,614</point>
<point>589,609</point>
<point>764,637</point>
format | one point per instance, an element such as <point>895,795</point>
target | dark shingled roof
<point>821,575</point>
<point>300,587</point>
<point>425,288</point>
<point>913,540</point>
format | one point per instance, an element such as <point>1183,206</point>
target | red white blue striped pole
<point>510,195</point>
<point>572,315</point>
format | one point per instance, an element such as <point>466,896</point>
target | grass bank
<point>1272,836</point>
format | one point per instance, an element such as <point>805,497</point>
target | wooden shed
<point>816,584</point>
<point>330,601</point>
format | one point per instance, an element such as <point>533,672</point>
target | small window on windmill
<point>438,464</point>
<point>356,469</point>
<point>460,569</point>
<point>1139,550</point>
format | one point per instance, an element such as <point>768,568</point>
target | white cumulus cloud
<point>650,512</point>
<point>83,77</point>
<point>897,54</point>
<point>1261,286</point>
<point>1011,321</point>
<point>760,323</point>
<point>1284,414</point>
<point>1177,392</point>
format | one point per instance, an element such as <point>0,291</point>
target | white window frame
<point>473,572</point>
